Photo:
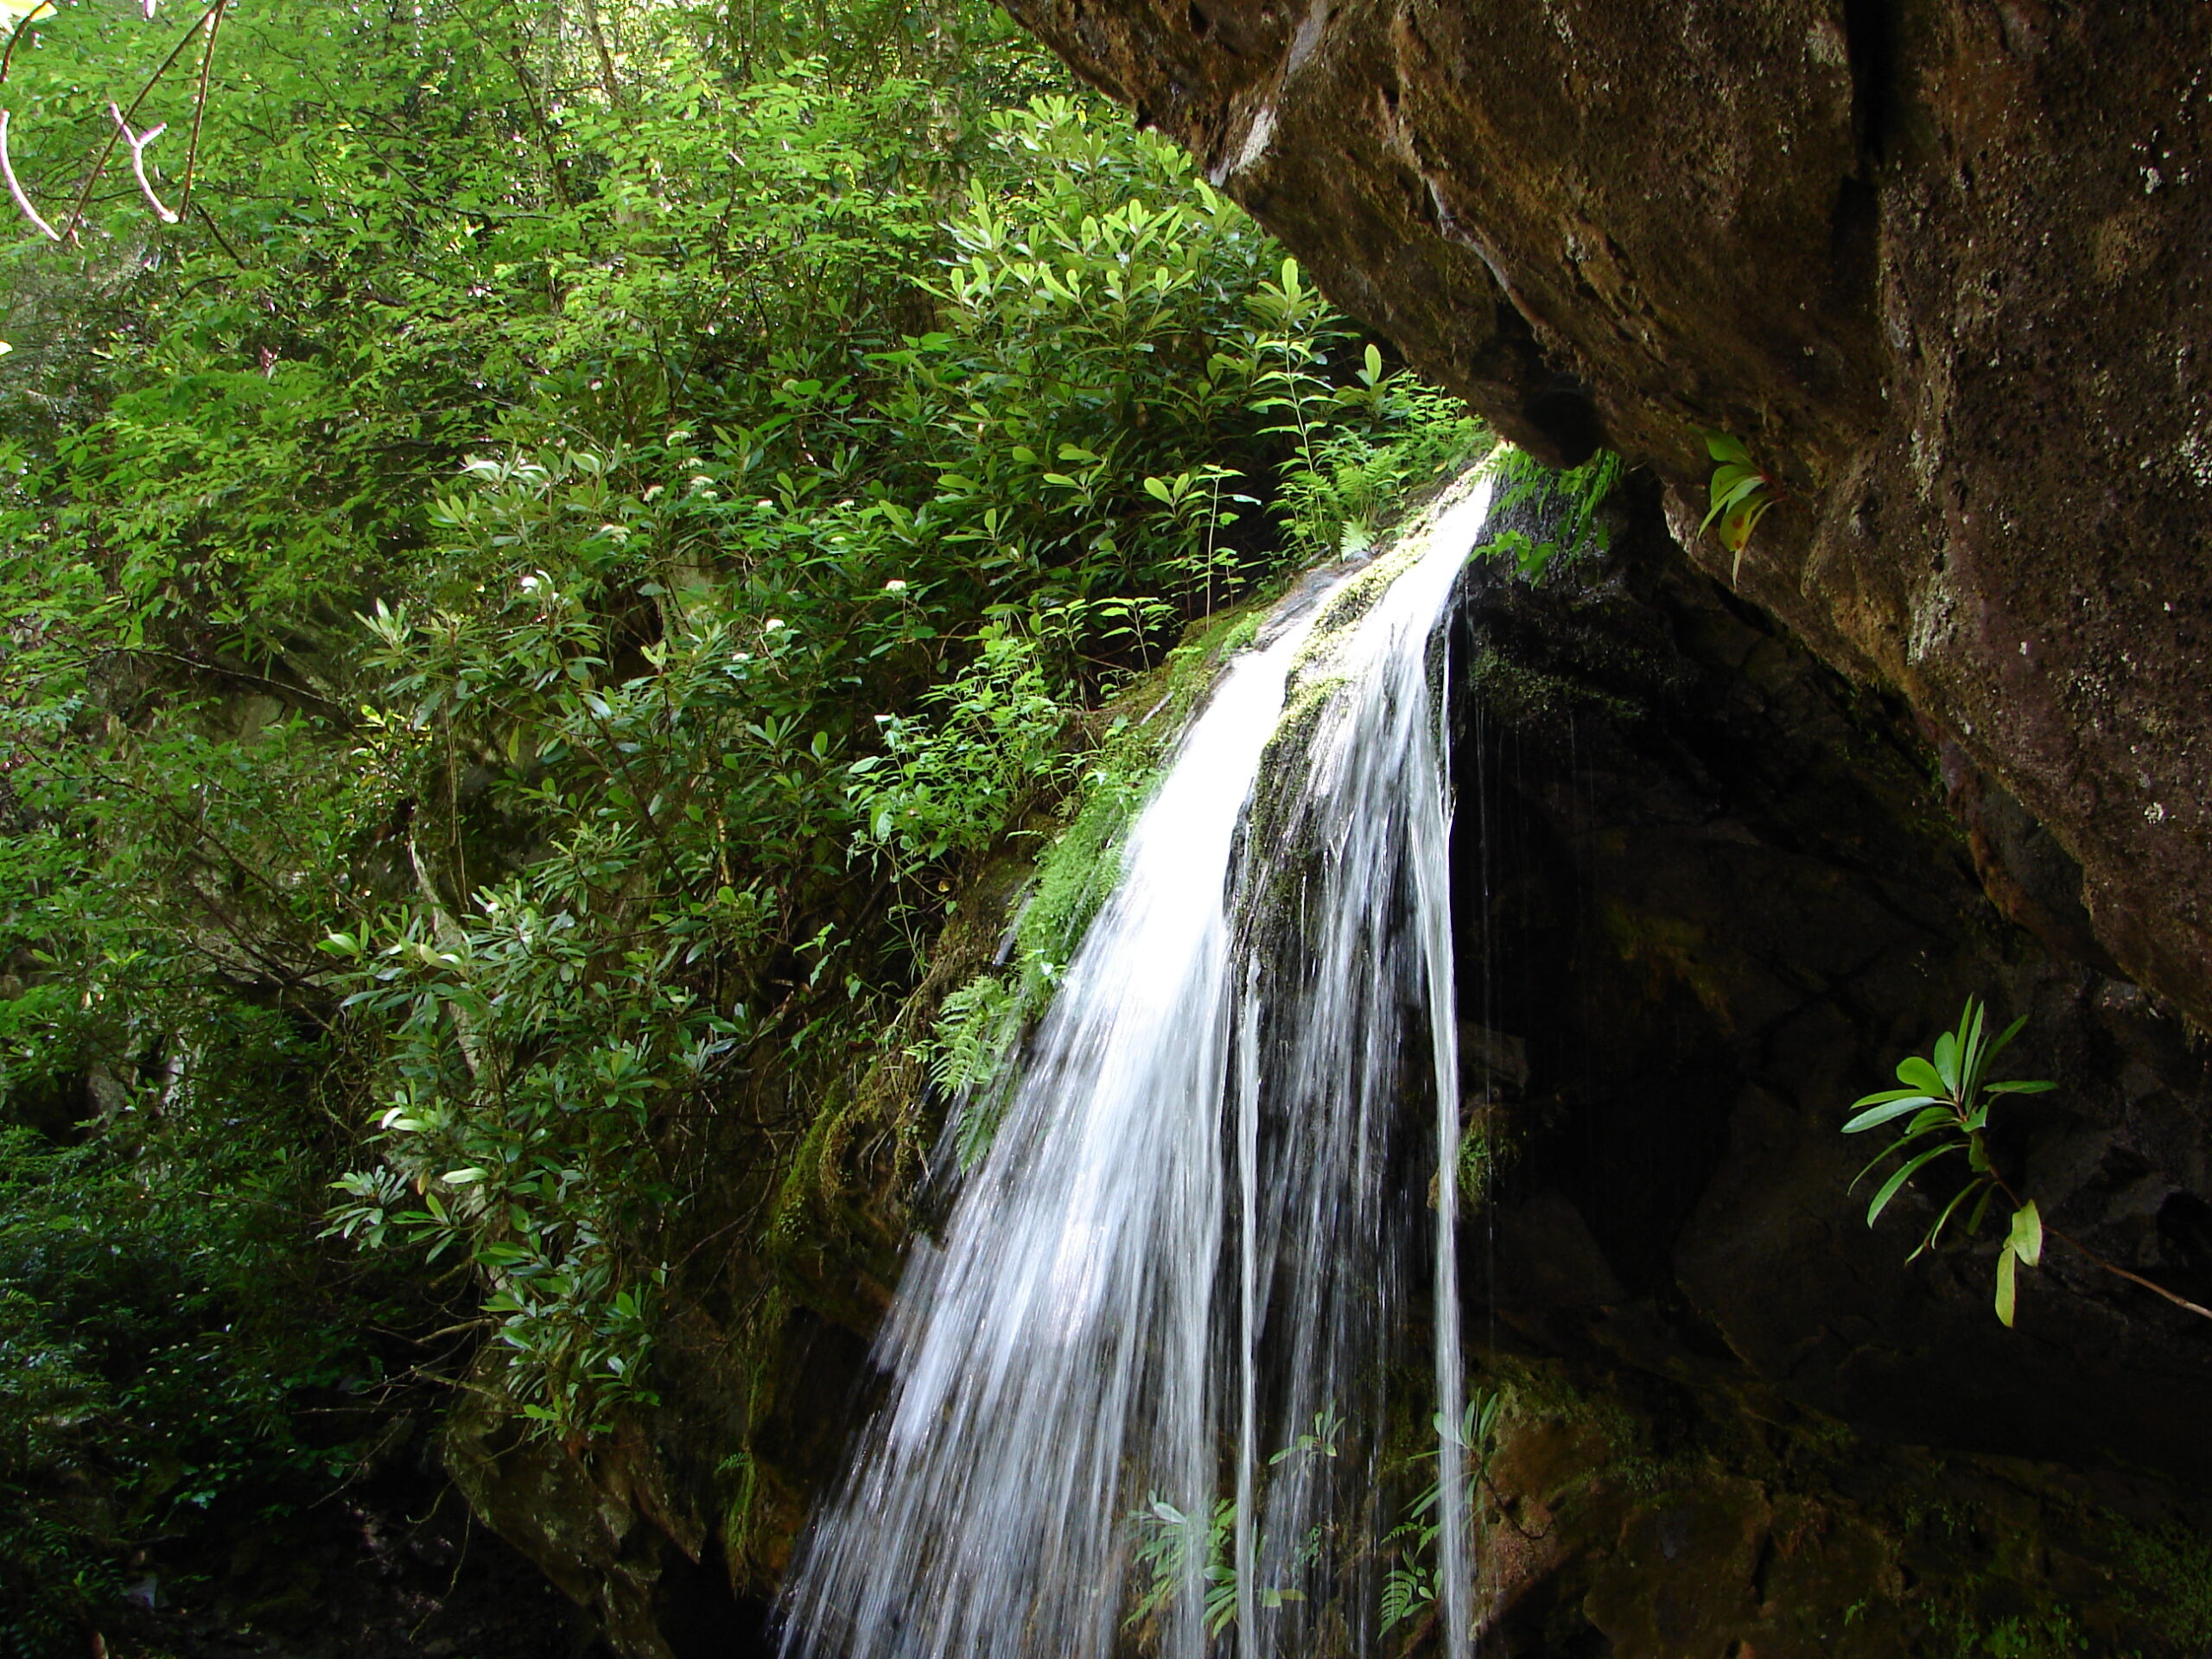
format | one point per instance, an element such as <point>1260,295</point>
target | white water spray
<point>1172,1288</point>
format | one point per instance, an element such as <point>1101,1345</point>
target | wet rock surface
<point>1715,895</point>
<point>1941,265</point>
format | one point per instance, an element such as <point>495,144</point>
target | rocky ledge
<point>1940,265</point>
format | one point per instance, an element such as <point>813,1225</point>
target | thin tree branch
<point>2018,1203</point>
<point>84,195</point>
<point>138,142</point>
<point>200,104</point>
<point>15,187</point>
<point>222,241</point>
<point>17,33</point>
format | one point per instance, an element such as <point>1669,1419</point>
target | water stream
<point>1141,1383</point>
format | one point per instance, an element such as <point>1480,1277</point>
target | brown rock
<point>1942,266</point>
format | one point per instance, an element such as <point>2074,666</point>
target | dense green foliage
<point>520,608</point>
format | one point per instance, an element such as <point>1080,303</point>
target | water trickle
<point>1147,1370</point>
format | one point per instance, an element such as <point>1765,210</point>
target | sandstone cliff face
<point>1941,265</point>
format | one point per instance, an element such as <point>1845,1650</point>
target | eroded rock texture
<point>1941,265</point>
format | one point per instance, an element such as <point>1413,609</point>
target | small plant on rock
<point>1946,1101</point>
<point>1576,492</point>
<point>1413,1584</point>
<point>1741,493</point>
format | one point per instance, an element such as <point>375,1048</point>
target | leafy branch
<point>1947,1100</point>
<point>211,21</point>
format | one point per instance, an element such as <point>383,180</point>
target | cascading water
<point>1168,1305</point>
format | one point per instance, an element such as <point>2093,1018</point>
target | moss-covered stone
<point>1648,1522</point>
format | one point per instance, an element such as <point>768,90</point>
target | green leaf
<point>1721,503</point>
<point>2005,1287</point>
<point>2020,1087</point>
<point>1720,447</point>
<point>1890,1151</point>
<point>1946,1060</point>
<point>2011,1032</point>
<point>2027,1240</point>
<point>1736,526</point>
<point>1942,1220</point>
<point>1882,1094</point>
<point>1890,1186</point>
<point>1731,484</point>
<point>1942,1115</point>
<point>1916,1073</point>
<point>1896,1108</point>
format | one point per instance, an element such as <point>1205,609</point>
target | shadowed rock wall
<point>1941,265</point>
<point>1706,896</point>
<point>1705,893</point>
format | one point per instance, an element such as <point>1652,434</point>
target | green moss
<point>2048,1635</point>
<point>1347,607</point>
<point>1488,1146</point>
<point>983,1021</point>
<point>2170,1570</point>
<point>1529,701</point>
<point>1080,869</point>
<point>1671,950</point>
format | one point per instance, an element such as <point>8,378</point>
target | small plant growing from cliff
<point>1170,1545</point>
<point>1946,1100</point>
<point>1412,1584</point>
<point>1577,492</point>
<point>1741,493</point>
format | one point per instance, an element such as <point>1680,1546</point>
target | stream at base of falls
<point>1149,1387</point>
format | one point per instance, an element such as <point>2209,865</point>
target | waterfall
<point>1145,1375</point>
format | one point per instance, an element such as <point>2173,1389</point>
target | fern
<point>1405,1591</point>
<point>1411,1585</point>
<point>1578,492</point>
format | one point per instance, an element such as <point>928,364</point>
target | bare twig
<point>222,241</point>
<point>199,103</point>
<point>84,195</point>
<point>138,141</point>
<point>17,33</point>
<point>2095,1260</point>
<point>15,187</point>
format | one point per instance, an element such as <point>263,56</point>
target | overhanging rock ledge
<point>1942,266</point>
